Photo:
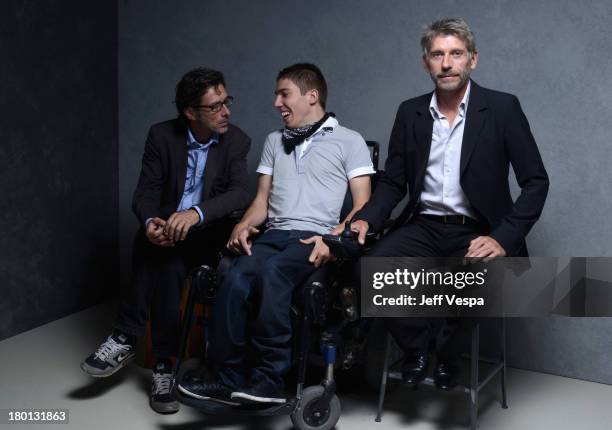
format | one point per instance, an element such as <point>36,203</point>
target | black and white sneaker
<point>161,398</point>
<point>111,356</point>
<point>206,388</point>
<point>260,392</point>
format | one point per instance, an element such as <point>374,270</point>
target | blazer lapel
<point>179,149</point>
<point>212,165</point>
<point>476,117</point>
<point>423,128</point>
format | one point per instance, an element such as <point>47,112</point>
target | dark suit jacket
<point>164,168</point>
<point>496,135</point>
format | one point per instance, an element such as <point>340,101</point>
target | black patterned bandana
<point>292,137</point>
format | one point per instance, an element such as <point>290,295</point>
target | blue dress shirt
<point>197,153</point>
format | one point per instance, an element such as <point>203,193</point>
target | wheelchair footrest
<point>210,407</point>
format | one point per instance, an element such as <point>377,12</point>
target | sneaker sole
<point>200,397</point>
<point>249,398</point>
<point>97,373</point>
<point>165,408</point>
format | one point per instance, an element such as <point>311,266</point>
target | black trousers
<point>424,237</point>
<point>158,274</point>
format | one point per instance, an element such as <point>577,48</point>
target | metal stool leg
<point>474,377</point>
<point>385,374</point>
<point>503,372</point>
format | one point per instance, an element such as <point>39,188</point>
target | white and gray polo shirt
<point>309,185</point>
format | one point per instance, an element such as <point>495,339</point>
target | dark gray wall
<point>58,159</point>
<point>551,54</point>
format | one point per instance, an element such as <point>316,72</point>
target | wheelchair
<point>328,334</point>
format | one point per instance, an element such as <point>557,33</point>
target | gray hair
<point>448,27</point>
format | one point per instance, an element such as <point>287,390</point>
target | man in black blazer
<point>194,174</point>
<point>451,151</point>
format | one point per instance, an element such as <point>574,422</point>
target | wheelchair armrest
<point>342,248</point>
<point>347,248</point>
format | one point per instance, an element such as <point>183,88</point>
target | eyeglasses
<point>216,107</point>
<point>437,56</point>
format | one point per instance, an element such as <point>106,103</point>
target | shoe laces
<point>162,383</point>
<point>110,348</point>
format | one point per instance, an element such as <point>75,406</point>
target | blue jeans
<point>252,323</point>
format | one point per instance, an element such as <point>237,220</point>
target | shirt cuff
<point>265,170</point>
<point>199,211</point>
<point>360,171</point>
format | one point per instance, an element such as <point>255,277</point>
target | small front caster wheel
<point>309,415</point>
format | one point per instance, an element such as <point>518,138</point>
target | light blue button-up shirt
<point>197,153</point>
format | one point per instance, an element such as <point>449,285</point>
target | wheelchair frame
<point>314,407</point>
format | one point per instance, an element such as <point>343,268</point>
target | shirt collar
<point>330,122</point>
<point>193,143</point>
<point>433,104</point>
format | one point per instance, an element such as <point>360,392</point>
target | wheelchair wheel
<point>307,416</point>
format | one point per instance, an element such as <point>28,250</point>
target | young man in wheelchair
<point>304,172</point>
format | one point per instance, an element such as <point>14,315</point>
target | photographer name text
<point>435,300</point>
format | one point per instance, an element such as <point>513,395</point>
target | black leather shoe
<point>414,369</point>
<point>446,376</point>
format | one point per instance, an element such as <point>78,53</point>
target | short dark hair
<point>193,84</point>
<point>307,77</point>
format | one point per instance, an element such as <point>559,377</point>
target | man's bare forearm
<point>360,192</point>
<point>256,214</point>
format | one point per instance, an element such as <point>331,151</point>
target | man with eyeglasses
<point>194,174</point>
<point>451,150</point>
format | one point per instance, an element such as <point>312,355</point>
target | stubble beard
<point>464,77</point>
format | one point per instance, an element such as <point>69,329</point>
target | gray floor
<point>40,369</point>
